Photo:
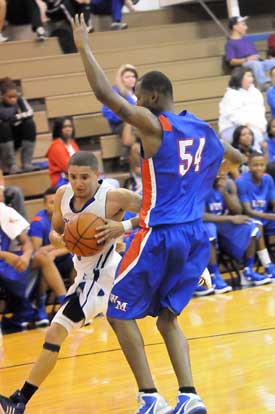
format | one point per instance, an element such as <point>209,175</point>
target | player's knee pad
<point>73,311</point>
<point>51,347</point>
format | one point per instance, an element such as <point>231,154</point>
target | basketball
<point>79,234</point>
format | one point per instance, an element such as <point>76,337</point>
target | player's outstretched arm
<point>140,117</point>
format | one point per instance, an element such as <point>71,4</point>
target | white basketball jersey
<point>97,206</point>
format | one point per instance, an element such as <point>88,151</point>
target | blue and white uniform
<point>168,254</point>
<point>95,274</point>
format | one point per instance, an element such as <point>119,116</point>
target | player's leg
<point>117,15</point>
<point>262,252</point>
<point>69,316</point>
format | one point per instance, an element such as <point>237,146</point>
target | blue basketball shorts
<point>268,226</point>
<point>161,269</point>
<point>233,239</point>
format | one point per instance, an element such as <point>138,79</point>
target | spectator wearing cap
<point>240,51</point>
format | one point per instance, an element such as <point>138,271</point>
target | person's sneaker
<point>18,321</point>
<point>41,34</point>
<point>189,404</point>
<point>41,318</point>
<point>219,285</point>
<point>250,278</point>
<point>3,38</point>
<point>8,406</point>
<point>203,291</point>
<point>270,272</point>
<point>152,404</point>
<point>118,26</point>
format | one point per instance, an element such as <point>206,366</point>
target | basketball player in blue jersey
<point>157,276</point>
<point>90,291</point>
<point>236,234</point>
<point>257,194</point>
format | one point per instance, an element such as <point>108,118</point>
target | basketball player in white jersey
<point>89,294</point>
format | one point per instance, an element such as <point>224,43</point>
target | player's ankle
<point>27,391</point>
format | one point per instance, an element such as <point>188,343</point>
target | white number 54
<point>187,159</point>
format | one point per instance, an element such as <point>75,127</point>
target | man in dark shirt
<point>239,50</point>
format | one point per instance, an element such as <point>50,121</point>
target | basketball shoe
<point>10,406</point>
<point>41,317</point>
<point>270,271</point>
<point>152,404</point>
<point>219,285</point>
<point>250,278</point>
<point>189,404</point>
<point>203,291</point>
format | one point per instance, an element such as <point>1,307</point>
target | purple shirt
<point>239,48</point>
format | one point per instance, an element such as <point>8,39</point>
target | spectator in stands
<point>56,262</point>
<point>241,51</point>
<point>270,94</point>
<point>113,8</point>
<point>13,196</point>
<point>60,151</point>
<point>2,20</point>
<point>125,82</point>
<point>242,104</point>
<point>15,264</point>
<point>17,129</point>
<point>257,194</point>
<point>271,140</point>
<point>233,232</point>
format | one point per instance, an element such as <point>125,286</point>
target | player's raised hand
<point>80,31</point>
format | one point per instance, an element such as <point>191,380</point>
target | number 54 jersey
<point>177,179</point>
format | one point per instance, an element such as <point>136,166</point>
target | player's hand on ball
<point>80,31</point>
<point>56,240</point>
<point>110,230</point>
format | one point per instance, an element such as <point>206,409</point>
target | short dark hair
<point>49,191</point>
<point>58,125</point>
<point>237,134</point>
<point>255,154</point>
<point>268,129</point>
<point>6,84</point>
<point>84,159</point>
<point>235,82</point>
<point>157,81</point>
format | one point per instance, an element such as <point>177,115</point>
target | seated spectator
<point>270,140</point>
<point>242,104</point>
<point>257,194</point>
<point>17,129</point>
<point>241,51</point>
<point>60,151</point>
<point>125,82</point>
<point>114,9</point>
<point>15,265</point>
<point>13,196</point>
<point>270,94</point>
<point>233,232</point>
<point>57,262</point>
<point>2,20</point>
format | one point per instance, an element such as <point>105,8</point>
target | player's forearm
<point>96,77</point>
<point>259,214</point>
<point>215,218</point>
<point>231,154</point>
<point>232,203</point>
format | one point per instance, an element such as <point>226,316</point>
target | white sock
<point>264,257</point>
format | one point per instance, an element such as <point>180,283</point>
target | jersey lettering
<point>187,159</point>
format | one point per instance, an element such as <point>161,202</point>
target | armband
<point>127,225</point>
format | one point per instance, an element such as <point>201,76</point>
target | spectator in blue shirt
<point>125,82</point>
<point>241,51</point>
<point>270,94</point>
<point>271,140</point>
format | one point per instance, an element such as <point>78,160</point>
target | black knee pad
<point>73,310</point>
<point>51,347</point>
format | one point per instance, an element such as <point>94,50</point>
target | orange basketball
<point>79,234</point>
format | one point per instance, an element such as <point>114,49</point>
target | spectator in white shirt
<point>242,104</point>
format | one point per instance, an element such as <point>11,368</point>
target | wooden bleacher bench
<point>32,184</point>
<point>89,125</point>
<point>41,121</point>
<point>110,146</point>
<point>33,206</point>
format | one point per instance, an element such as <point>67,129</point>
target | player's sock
<point>249,262</point>
<point>213,268</point>
<point>188,390</point>
<point>59,299</point>
<point>264,257</point>
<point>27,391</point>
<point>148,390</point>
<point>42,301</point>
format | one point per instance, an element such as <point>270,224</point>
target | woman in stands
<point>61,150</point>
<point>125,83</point>
<point>17,128</point>
<point>242,104</point>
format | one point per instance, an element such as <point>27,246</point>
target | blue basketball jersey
<point>258,195</point>
<point>178,178</point>
<point>40,227</point>
<point>271,149</point>
<point>214,202</point>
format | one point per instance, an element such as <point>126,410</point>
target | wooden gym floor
<point>232,341</point>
